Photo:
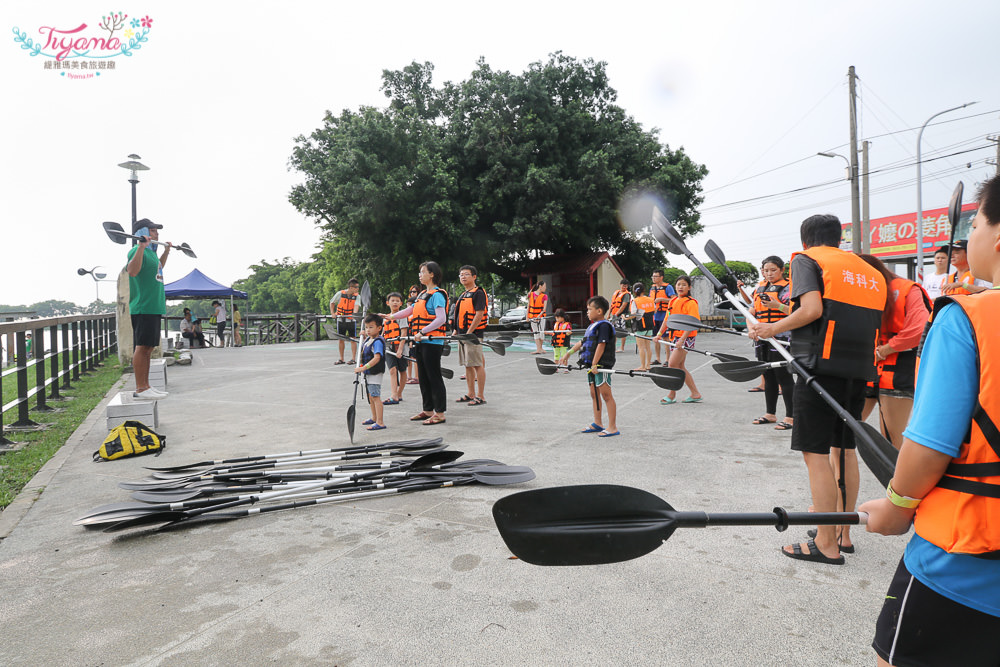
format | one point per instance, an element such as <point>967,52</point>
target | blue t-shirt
<point>948,365</point>
<point>434,302</point>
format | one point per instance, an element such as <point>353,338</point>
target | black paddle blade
<point>722,356</point>
<point>715,254</point>
<point>741,371</point>
<point>670,379</point>
<point>583,525</point>
<point>877,453</point>
<point>546,366</point>
<point>350,422</point>
<point>365,295</point>
<point>446,350</point>
<point>115,232</point>
<point>186,249</point>
<point>447,373</point>
<point>955,208</point>
<point>683,322</point>
<point>665,234</point>
<point>496,346</point>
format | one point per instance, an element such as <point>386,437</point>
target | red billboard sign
<point>896,235</point>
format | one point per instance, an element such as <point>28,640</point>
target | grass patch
<point>17,468</point>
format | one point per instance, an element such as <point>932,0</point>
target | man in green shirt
<point>147,302</point>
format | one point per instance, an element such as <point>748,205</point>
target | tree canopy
<point>488,171</point>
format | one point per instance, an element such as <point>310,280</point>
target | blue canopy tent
<point>196,285</point>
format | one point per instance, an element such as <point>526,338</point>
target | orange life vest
<point>390,332</point>
<point>616,300</point>
<point>660,291</point>
<point>965,278</point>
<point>421,317</point>
<point>465,312</point>
<point>560,334</point>
<point>898,371</point>
<point>960,514</point>
<point>536,305</point>
<point>346,304</point>
<point>841,343</point>
<point>765,313</point>
<point>683,305</point>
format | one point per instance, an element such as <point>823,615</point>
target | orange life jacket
<point>465,312</point>
<point>560,334</point>
<point>842,341</point>
<point>765,313</point>
<point>390,332</point>
<point>616,300</point>
<point>964,278</point>
<point>960,514</point>
<point>536,305</point>
<point>660,291</point>
<point>346,304</point>
<point>898,371</point>
<point>421,317</point>
<point>683,305</point>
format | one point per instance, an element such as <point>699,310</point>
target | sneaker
<point>149,395</point>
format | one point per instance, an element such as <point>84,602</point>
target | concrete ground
<point>425,578</point>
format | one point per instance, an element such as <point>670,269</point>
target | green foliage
<point>50,308</point>
<point>484,172</point>
<point>745,271</point>
<point>285,286</point>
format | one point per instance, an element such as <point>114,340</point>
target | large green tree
<point>488,171</point>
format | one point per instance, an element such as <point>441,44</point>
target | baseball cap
<point>145,222</point>
<point>960,245</point>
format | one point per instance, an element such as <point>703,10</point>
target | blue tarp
<point>196,285</point>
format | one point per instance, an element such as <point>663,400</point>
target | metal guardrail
<point>74,346</point>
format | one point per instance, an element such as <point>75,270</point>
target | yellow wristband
<point>900,501</point>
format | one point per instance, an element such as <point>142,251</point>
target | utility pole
<point>996,162</point>
<point>856,231</point>
<point>866,232</point>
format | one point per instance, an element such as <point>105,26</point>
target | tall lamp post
<point>857,242</point>
<point>134,166</point>
<point>98,277</point>
<point>920,204</point>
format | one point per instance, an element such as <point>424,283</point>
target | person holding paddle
<point>838,311</point>
<point>597,352</point>
<point>427,326</point>
<point>536,313</point>
<point>661,293</point>
<point>343,305</point>
<point>621,302</point>
<point>643,309</point>
<point>682,341</point>
<point>470,318</point>
<point>147,303</point>
<point>771,304</point>
<point>943,604</point>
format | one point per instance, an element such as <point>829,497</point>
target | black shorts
<point>817,426</point>
<point>346,327</point>
<point>920,627</point>
<point>395,362</point>
<point>145,330</point>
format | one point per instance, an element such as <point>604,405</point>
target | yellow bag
<point>132,438</point>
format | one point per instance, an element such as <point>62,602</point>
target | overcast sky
<point>213,100</point>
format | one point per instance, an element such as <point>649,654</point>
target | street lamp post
<point>920,204</point>
<point>98,277</point>
<point>134,166</point>
<point>857,239</point>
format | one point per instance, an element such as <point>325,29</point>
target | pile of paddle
<point>213,490</point>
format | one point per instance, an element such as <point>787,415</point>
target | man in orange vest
<point>837,311</point>
<point>470,317</point>
<point>343,305</point>
<point>943,604</point>
<point>621,302</point>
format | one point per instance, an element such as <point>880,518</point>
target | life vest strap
<point>969,486</point>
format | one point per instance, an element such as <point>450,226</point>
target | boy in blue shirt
<point>597,352</point>
<point>373,366</point>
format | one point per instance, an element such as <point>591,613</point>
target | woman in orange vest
<point>771,304</point>
<point>907,308</point>
<point>643,311</point>
<point>428,316</point>
<point>682,341</point>
<point>943,604</point>
<point>536,313</point>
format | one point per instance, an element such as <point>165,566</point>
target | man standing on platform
<point>147,302</point>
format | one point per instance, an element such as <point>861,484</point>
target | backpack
<point>132,438</point>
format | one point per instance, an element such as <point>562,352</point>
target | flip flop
<point>783,426</point>
<point>433,421</point>
<point>593,428</point>
<point>667,401</point>
<point>368,422</point>
<point>764,420</point>
<point>608,435</point>
<point>375,427</point>
<point>477,401</point>
<point>420,417</point>
<point>464,399</point>
<point>691,400</point>
<point>755,390</point>
<point>391,401</point>
<point>849,549</point>
<point>338,363</point>
<point>814,555</point>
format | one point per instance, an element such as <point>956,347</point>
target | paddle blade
<point>446,350</point>
<point>740,371</point>
<point>715,253</point>
<point>447,373</point>
<point>115,232</point>
<point>670,379</point>
<point>665,234</point>
<point>546,366</point>
<point>496,346</point>
<point>683,322</point>
<point>350,422</point>
<point>722,356</point>
<point>186,249</point>
<point>955,208</point>
<point>877,453</point>
<point>583,525</point>
<point>365,295</point>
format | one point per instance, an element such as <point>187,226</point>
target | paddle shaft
<point>716,355</point>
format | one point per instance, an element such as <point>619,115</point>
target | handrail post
<point>67,364</point>
<point>23,420</point>
<point>76,351</point>
<point>54,363</point>
<point>40,355</point>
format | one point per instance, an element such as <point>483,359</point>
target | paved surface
<point>425,578</point>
